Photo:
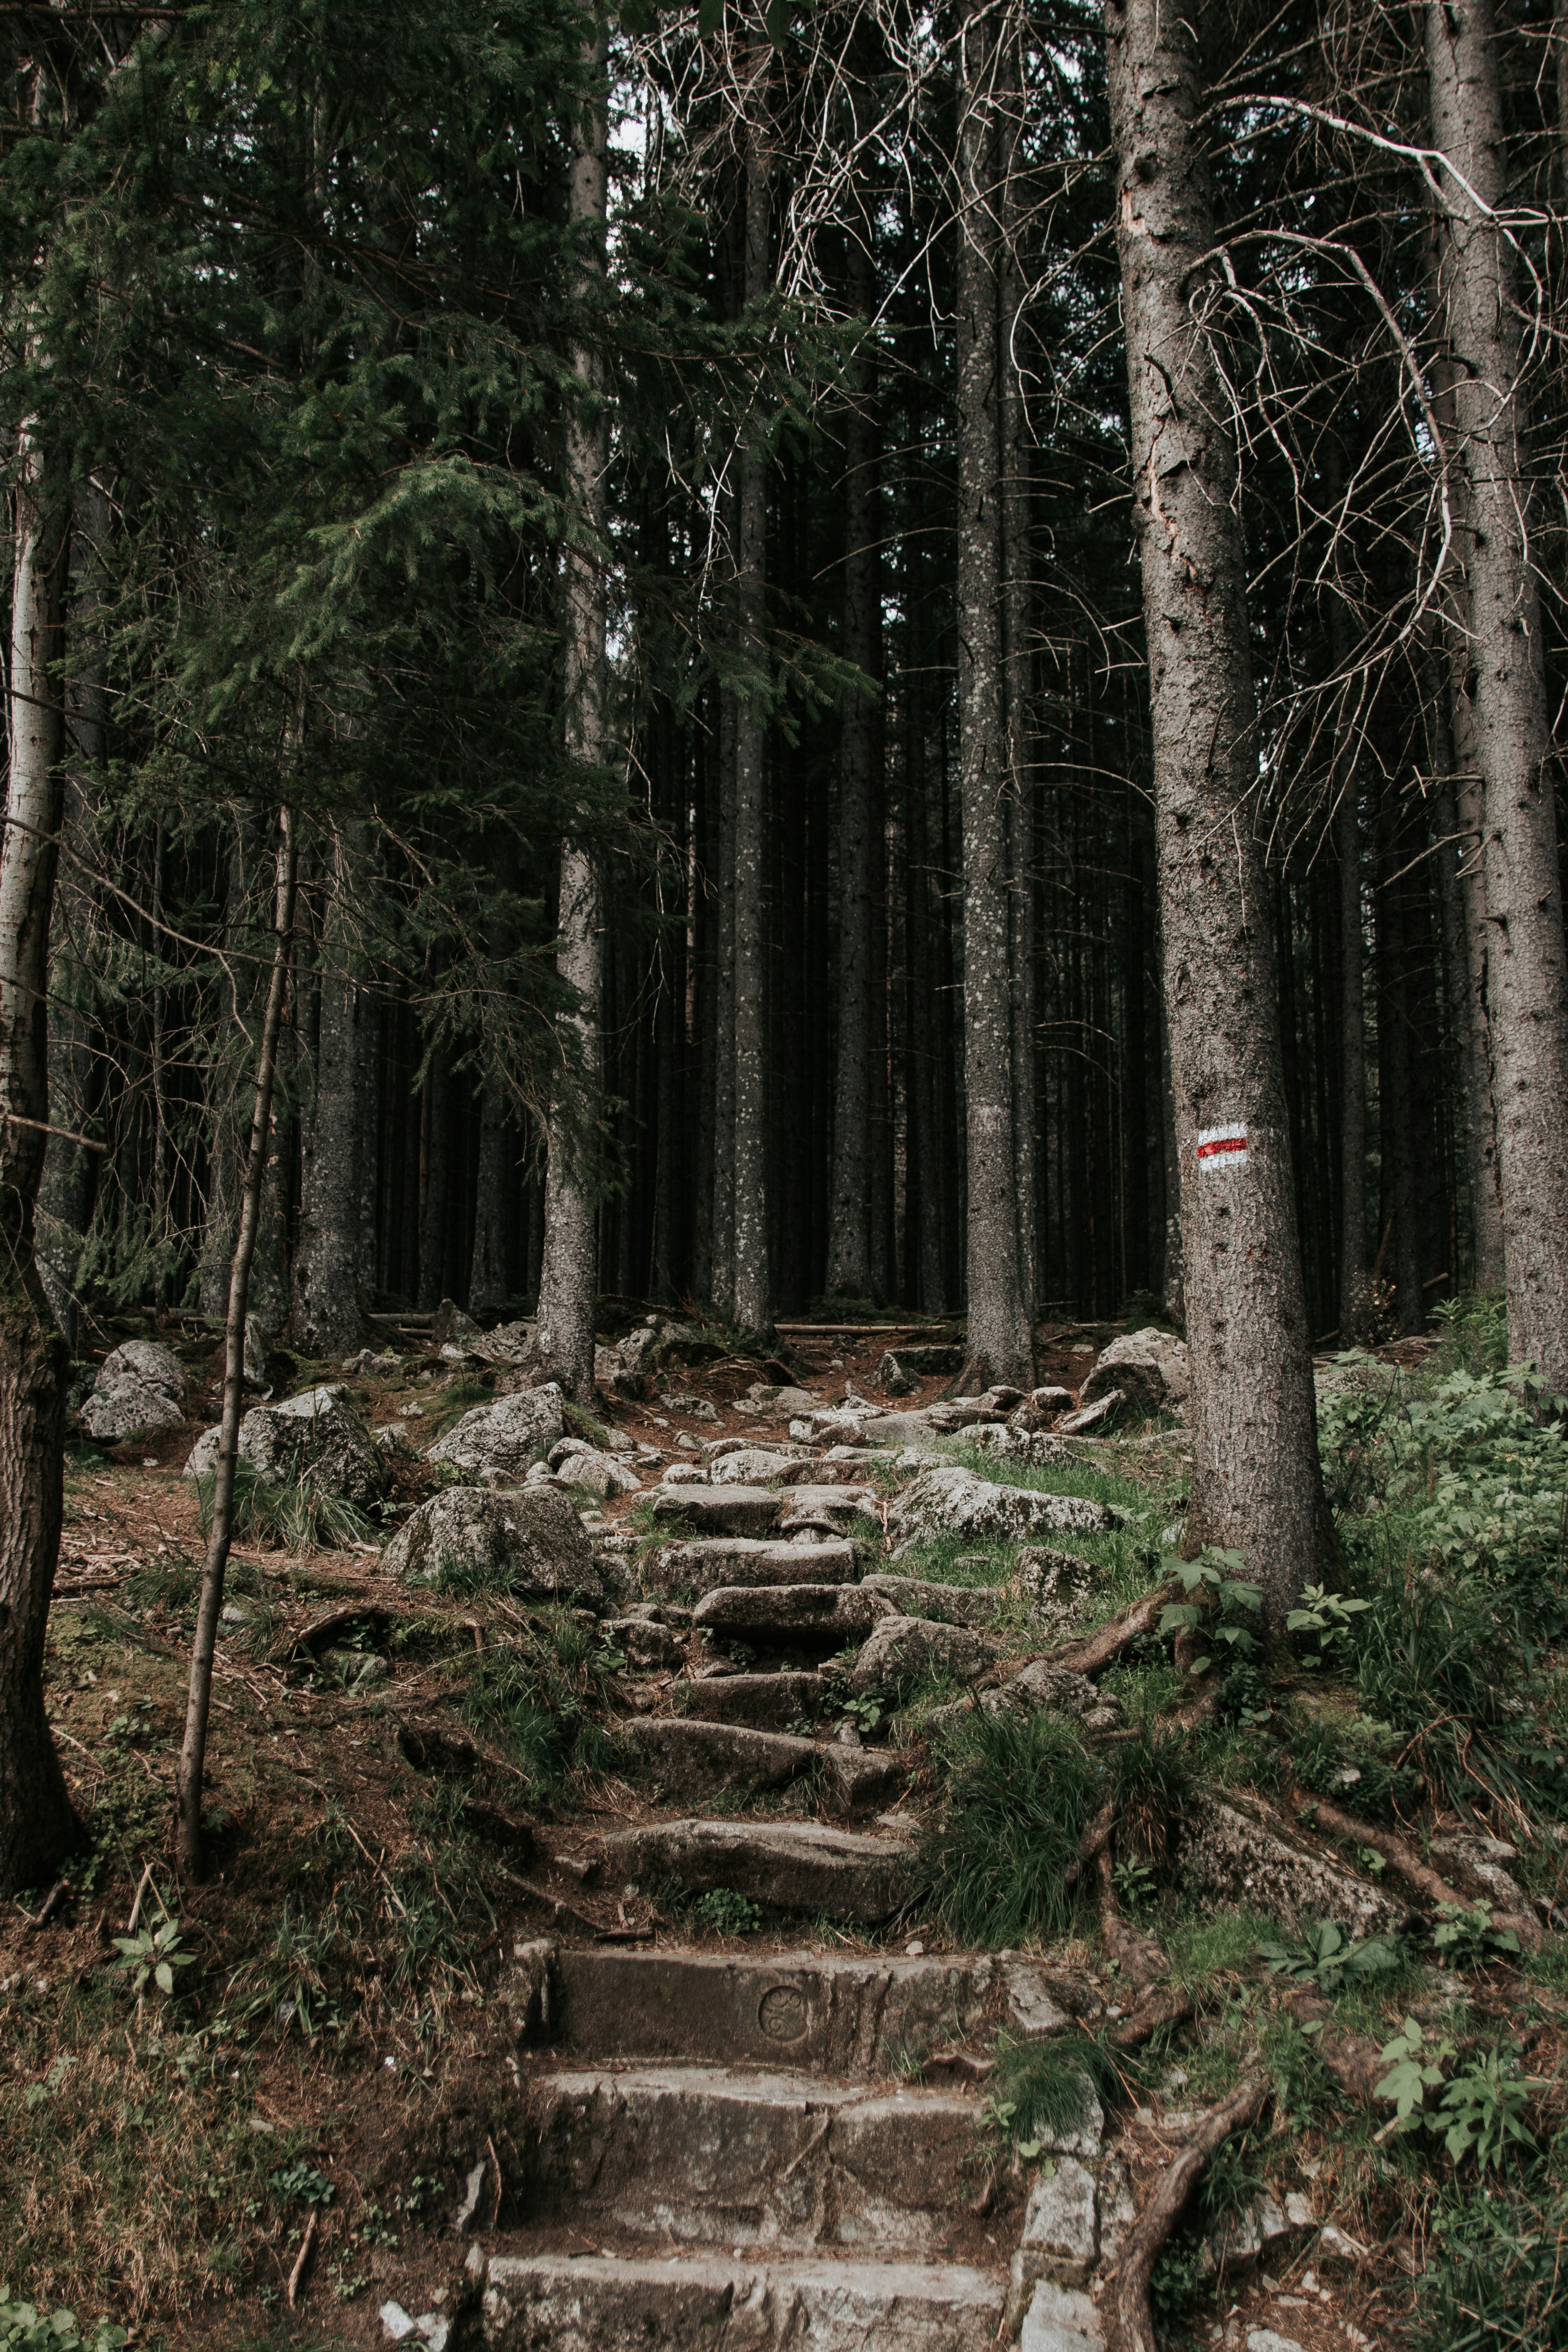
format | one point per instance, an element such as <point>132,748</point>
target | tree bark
<point>190,1843</point>
<point>36,1822</point>
<point>1527,976</point>
<point>1000,1336</point>
<point>750,1301</point>
<point>568,1279</point>
<point>848,1233</point>
<point>1256,1485</point>
<point>487,1284</point>
<point>331,1288</point>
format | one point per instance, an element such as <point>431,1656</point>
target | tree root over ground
<point>1402,1858</point>
<point>1131,2322</point>
<point>1092,1656</point>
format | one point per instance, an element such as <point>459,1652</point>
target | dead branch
<point>1095,1836</point>
<point>1402,1857</point>
<point>1132,2326</point>
<point>303,2256</point>
<point>1102,1649</point>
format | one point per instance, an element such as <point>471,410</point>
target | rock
<point>314,1436</point>
<point>722,1510</point>
<point>957,1414</point>
<point>954,1501</point>
<point>1052,1401</point>
<point>646,1644</point>
<point>507,1344</point>
<point>140,1386</point>
<point>1013,1445</point>
<point>716,1561</point>
<point>1031,2013</point>
<point>748,1465</point>
<point>1481,1860</point>
<point>501,1440</point>
<point>1060,2236</point>
<point>1055,1584</point>
<point>833,1507</point>
<point>694,1758</point>
<point>766,1702</point>
<point>1150,1368</point>
<point>775,1403</point>
<point>1118,2209</point>
<point>929,1361</point>
<point>451,1323</point>
<point>1093,1420</point>
<point>360,1669</point>
<point>1231,1859</point>
<point>949,1604</point>
<point>597,1473</point>
<point>684,1474</point>
<point>817,1616</point>
<point>893,1377</point>
<point>531,1538</point>
<point>696,1408</point>
<point>903,1651</point>
<point>1042,1686</point>
<point>1267,2339</point>
<point>790,1865</point>
<point>1060,2319</point>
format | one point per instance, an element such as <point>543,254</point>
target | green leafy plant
<point>1325,1956</point>
<point>152,1954</point>
<point>1220,1601</point>
<point>1467,1938</point>
<point>866,1712</point>
<point>1134,1884</point>
<point>727,1912</point>
<point>1414,2067</point>
<point>300,2184</point>
<point>1330,1616</point>
<point>24,2328</point>
<point>1483,2108</point>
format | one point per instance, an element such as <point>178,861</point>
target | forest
<point>781,823</point>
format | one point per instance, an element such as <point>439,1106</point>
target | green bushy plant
<point>1021,1791</point>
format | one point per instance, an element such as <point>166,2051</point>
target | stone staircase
<point>723,2158</point>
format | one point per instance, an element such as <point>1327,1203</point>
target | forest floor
<point>338,2054</point>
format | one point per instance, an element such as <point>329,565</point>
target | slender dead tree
<point>752,1279</point>
<point>1504,682</point>
<point>37,1825</point>
<point>190,1843</point>
<point>569,1276</point>
<point>1001,1335</point>
<point>1256,1485</point>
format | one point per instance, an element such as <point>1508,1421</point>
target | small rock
<point>1150,1368</point>
<point>1266,2339</point>
<point>696,1408</point>
<point>531,1535</point>
<point>1061,2224</point>
<point>396,2322</point>
<point>645,1645</point>
<point>506,1436</point>
<point>915,1952</point>
<point>1060,2319</point>
<point>687,1440</point>
<point>901,1651</point>
<point>597,1473</point>
<point>684,1474</point>
<point>1093,1420</point>
<point>142,1385</point>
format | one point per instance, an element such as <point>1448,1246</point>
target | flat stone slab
<point>1061,2319</point>
<point>713,1561</point>
<point>855,1509</point>
<point>767,1702</point>
<point>958,1502</point>
<point>817,2012</point>
<point>595,2305</point>
<point>694,1758</point>
<point>723,2155</point>
<point>720,1510</point>
<point>949,1604</point>
<point>824,1616</point>
<point>788,1865</point>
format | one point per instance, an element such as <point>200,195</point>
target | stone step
<point>595,2303</point>
<point>767,1702</point>
<point>788,1865</point>
<point>823,2012</point>
<point>949,1604</point>
<point>719,1510</point>
<point>694,1758</point>
<point>854,1510</point>
<point>721,2156</point>
<point>791,1616</point>
<point>712,1561</point>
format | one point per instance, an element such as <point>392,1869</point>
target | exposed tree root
<point>1092,1656</point>
<point>1141,1960</point>
<point>1402,1857</point>
<point>1131,2322</point>
<point>1161,2006</point>
<point>1356,2063</point>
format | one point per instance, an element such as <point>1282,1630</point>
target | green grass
<point>535,1699</point>
<point>295,1517</point>
<point>1021,1791</point>
<point>1199,1950</point>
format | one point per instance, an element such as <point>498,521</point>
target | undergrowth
<point>1021,1791</point>
<point>294,1518</point>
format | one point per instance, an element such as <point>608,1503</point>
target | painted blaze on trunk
<point>1256,1482</point>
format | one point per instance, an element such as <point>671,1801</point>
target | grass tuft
<point>1020,1793</point>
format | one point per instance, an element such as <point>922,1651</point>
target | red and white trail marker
<point>1222,1147</point>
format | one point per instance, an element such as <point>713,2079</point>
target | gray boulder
<point>956,1501</point>
<point>903,1651</point>
<point>1011,1443</point>
<point>949,1604</point>
<point>595,1473</point>
<point>1094,1420</point>
<point>1149,1367</point>
<point>314,1436</point>
<point>140,1386</point>
<point>750,1466</point>
<point>532,1537</point>
<point>1234,1857</point>
<point>500,1440</point>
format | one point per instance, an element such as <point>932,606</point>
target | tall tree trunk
<point>488,1271</point>
<point>1527,975</point>
<point>568,1280</point>
<point>1256,1485</point>
<point>37,1823</point>
<point>1001,1335</point>
<point>1017,573</point>
<point>848,1230</point>
<point>329,1271</point>
<point>1355,1296</point>
<point>190,1843</point>
<point>751,1295</point>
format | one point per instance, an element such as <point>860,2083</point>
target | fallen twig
<point>302,2257</point>
<point>145,1882</point>
<point>1132,2326</point>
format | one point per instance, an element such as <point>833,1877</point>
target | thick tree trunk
<point>1000,1336</point>
<point>568,1280</point>
<point>1527,976</point>
<point>330,1287</point>
<point>190,1842</point>
<point>751,1295</point>
<point>1256,1481</point>
<point>37,1823</point>
<point>849,1232</point>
